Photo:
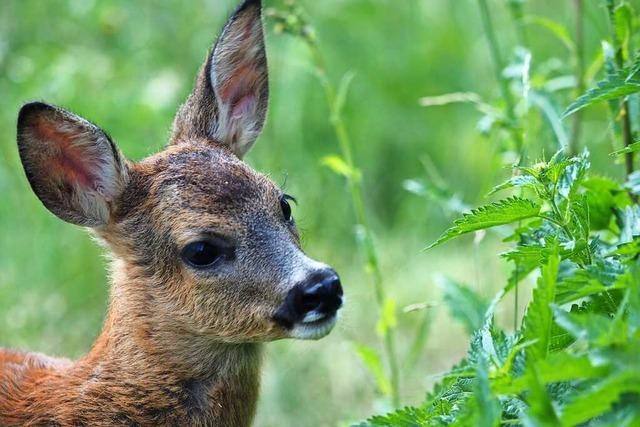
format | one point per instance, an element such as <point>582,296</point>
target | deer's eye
<point>205,254</point>
<point>286,207</point>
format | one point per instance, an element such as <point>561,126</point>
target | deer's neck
<point>161,373</point>
<point>143,371</point>
<point>158,378</point>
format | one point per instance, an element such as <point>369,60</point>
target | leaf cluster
<point>574,360</point>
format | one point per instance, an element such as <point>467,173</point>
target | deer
<point>206,263</point>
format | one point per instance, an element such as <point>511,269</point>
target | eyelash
<point>286,207</point>
<point>289,197</point>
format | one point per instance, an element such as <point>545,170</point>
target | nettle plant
<point>575,358</point>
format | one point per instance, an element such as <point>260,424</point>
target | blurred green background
<point>128,65</point>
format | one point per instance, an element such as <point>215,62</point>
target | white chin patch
<point>313,330</point>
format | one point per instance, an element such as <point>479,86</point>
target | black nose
<point>318,297</point>
<point>322,293</point>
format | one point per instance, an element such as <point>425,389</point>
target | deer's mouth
<point>314,327</point>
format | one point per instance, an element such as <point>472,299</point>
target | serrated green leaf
<point>515,181</point>
<point>538,318</point>
<point>635,68</point>
<point>612,87</point>
<point>603,194</point>
<point>486,408</point>
<point>438,193</point>
<point>541,411</point>
<point>558,367</point>
<point>631,148</point>
<point>577,368</point>
<point>405,417</point>
<point>625,414</point>
<point>634,297</point>
<point>527,254</point>
<point>599,398</point>
<point>572,174</point>
<point>591,327</point>
<point>503,212</point>
<point>464,304</point>
<point>443,402</point>
<point>604,275</point>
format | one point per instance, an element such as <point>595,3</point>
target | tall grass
<point>574,143</point>
<point>499,65</point>
<point>293,21</point>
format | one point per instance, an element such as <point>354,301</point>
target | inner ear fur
<point>228,105</point>
<point>73,166</point>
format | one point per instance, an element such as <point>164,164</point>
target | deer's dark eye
<point>205,254</point>
<point>286,207</point>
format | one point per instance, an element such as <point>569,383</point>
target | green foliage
<point>465,305</point>
<point>504,212</point>
<point>292,20</point>
<point>139,61</point>
<point>612,87</point>
<point>574,360</point>
<point>632,148</point>
<point>373,363</point>
<point>538,320</point>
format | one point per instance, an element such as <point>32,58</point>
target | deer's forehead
<point>209,181</point>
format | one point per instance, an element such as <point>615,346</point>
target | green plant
<point>292,21</point>
<point>574,359</point>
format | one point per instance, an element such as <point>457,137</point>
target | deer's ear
<point>229,102</point>
<point>73,167</point>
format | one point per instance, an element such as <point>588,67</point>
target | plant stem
<point>580,83</point>
<point>516,293</point>
<point>553,220</point>
<point>355,187</point>
<point>498,67</point>
<point>627,137</point>
<point>517,13</point>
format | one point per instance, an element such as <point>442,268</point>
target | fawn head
<point>214,239</point>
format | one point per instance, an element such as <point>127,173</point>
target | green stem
<point>574,143</point>
<point>355,188</point>
<point>516,293</point>
<point>556,211</point>
<point>498,68</point>
<point>553,220</point>
<point>627,137</point>
<point>517,13</point>
<point>516,9</point>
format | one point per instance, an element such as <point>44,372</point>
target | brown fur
<point>176,348</point>
<point>180,345</point>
